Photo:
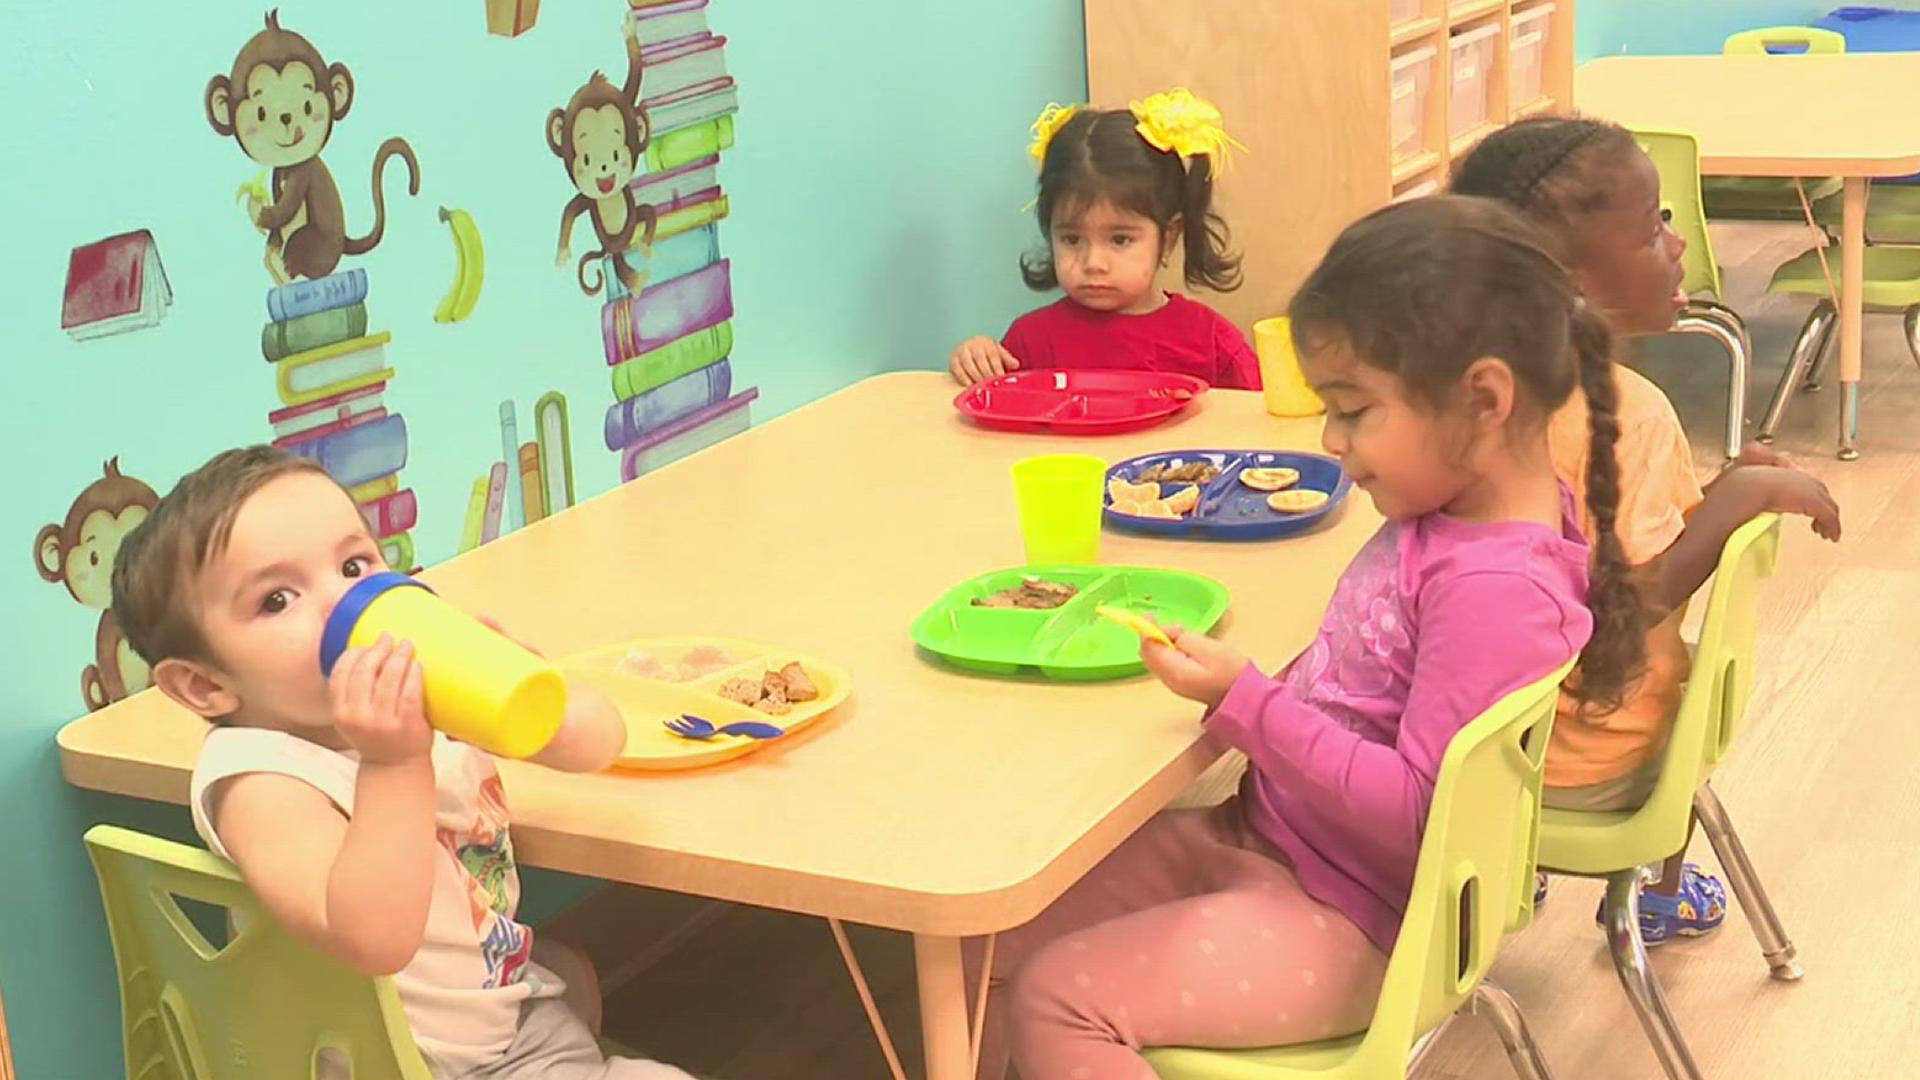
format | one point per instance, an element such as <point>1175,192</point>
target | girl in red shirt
<point>1117,186</point>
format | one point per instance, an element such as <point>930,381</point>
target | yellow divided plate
<point>653,680</point>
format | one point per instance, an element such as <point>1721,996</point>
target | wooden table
<point>934,802</point>
<point>1807,116</point>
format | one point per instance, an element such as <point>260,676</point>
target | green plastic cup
<point>1059,500</point>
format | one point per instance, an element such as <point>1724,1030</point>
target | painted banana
<point>470,267</point>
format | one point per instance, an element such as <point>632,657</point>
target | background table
<point>934,802</point>
<point>1810,116</point>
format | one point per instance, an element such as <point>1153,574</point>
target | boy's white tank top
<point>463,990</point>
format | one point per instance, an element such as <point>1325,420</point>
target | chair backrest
<point>265,1005</point>
<point>1722,678</point>
<point>1676,157</point>
<point>1785,41</point>
<point>1473,882</point>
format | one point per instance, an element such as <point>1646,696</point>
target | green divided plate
<point>1071,641</point>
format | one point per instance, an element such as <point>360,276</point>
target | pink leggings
<point>1194,932</point>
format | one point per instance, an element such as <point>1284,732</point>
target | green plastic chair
<point>1473,884</point>
<point>1766,198</point>
<point>266,1005</point>
<point>1890,282</point>
<point>1676,157</point>
<point>1619,845</point>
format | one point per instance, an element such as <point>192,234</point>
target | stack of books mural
<point>332,379</point>
<point>670,346</point>
<point>532,479</point>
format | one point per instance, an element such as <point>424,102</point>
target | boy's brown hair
<point>158,561</point>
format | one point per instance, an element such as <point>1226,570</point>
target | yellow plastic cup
<point>1280,378</point>
<point>1059,500</point>
<point>480,687</point>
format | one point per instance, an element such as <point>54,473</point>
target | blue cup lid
<point>333,640</point>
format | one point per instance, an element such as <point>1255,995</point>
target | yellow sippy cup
<point>480,687</point>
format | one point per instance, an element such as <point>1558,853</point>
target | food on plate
<point>1031,593</point>
<point>1120,490</point>
<point>1145,500</point>
<point>695,663</point>
<point>1297,501</point>
<point>1269,479</point>
<point>774,692</point>
<point>1191,472</point>
<point>800,687</point>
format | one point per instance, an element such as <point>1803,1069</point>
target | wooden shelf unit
<point>1307,86</point>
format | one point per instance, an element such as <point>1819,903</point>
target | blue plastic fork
<point>694,727</point>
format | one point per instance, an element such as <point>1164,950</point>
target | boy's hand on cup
<point>1195,666</point>
<point>378,702</point>
<point>978,359</point>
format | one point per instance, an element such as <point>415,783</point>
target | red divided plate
<point>1078,402</point>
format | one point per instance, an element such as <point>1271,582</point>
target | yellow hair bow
<point>1179,122</point>
<point>1052,119</point>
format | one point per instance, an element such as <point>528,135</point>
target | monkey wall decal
<point>79,553</point>
<point>280,103</point>
<point>601,137</point>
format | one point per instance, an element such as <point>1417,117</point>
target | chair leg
<point>1806,350</point>
<point>1775,946</point>
<point>1912,327</point>
<point>1622,908</point>
<point>1523,1050</point>
<point>1726,327</point>
<point>1822,354</point>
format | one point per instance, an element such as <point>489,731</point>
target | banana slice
<point>1298,501</point>
<point>1269,479</point>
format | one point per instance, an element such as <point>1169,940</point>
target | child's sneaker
<point>1539,889</point>
<point>1697,908</point>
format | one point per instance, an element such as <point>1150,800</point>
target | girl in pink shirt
<point>1442,337</point>
<point>1117,188</point>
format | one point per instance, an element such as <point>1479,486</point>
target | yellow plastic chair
<point>1768,198</point>
<point>1676,157</point>
<point>1473,884</point>
<point>1619,846</point>
<point>1785,40</point>
<point>264,1006</point>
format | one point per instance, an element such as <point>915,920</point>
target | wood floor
<point>1821,788</point>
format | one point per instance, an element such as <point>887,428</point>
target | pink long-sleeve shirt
<point>1435,620</point>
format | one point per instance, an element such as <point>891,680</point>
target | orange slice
<point>1118,489</point>
<point>1158,508</point>
<point>1183,501</point>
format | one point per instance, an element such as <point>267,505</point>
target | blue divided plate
<point>1230,510</point>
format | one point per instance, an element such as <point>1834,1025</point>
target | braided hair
<point>1544,165</point>
<point>1423,290</point>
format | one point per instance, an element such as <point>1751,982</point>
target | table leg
<point>1853,255</point>
<point>943,1007</point>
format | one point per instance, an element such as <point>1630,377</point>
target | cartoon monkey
<point>79,554</point>
<point>280,104</point>
<point>599,138</point>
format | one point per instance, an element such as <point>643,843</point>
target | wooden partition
<point>1312,88</point>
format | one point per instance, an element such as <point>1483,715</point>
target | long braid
<point>1616,653</point>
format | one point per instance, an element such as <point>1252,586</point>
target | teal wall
<point>877,188</point>
<point>1613,27</point>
